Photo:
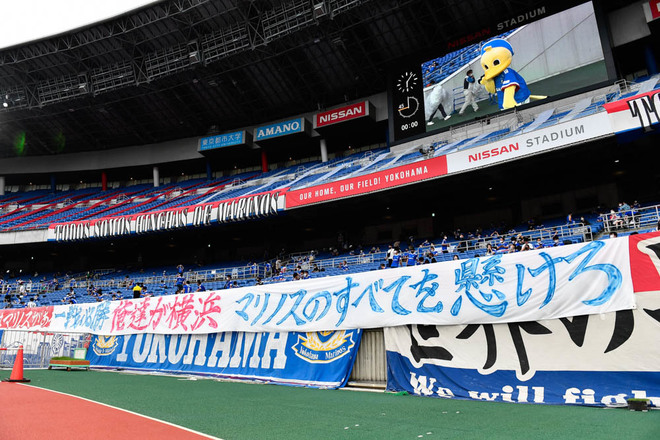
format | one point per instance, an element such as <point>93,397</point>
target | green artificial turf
<point>254,411</point>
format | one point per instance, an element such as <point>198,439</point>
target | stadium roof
<point>71,15</point>
<point>184,68</point>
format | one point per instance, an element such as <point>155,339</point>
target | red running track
<point>30,413</point>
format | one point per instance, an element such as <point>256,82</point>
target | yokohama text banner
<point>316,359</point>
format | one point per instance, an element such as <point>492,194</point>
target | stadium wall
<point>628,24</point>
<point>151,154</point>
<point>22,237</point>
<point>139,155</point>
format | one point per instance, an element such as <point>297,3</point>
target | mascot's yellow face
<point>494,61</point>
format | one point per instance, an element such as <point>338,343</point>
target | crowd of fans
<point>498,240</point>
<point>625,217</point>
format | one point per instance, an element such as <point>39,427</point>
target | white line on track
<point>127,411</point>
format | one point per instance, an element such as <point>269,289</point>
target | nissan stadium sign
<point>225,211</point>
<point>528,144</point>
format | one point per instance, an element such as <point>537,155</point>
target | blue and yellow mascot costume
<point>510,87</point>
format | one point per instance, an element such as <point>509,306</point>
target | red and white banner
<point>652,10</point>
<point>581,279</point>
<point>224,211</point>
<point>368,183</point>
<point>645,261</point>
<point>634,113</point>
<point>26,319</point>
<point>342,114</point>
<point>537,141</point>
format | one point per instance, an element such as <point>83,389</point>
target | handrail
<point>244,272</point>
<point>561,231</point>
<point>633,219</point>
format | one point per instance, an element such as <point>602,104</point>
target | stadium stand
<point>116,284</point>
<point>185,105</point>
<point>35,209</point>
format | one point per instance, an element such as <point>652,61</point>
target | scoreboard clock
<point>407,100</point>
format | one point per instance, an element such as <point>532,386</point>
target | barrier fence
<point>632,219</point>
<point>562,325</point>
<point>38,347</point>
<point>563,232</point>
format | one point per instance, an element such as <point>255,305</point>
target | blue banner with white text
<point>279,129</point>
<point>314,359</point>
<point>592,388</point>
<point>222,140</point>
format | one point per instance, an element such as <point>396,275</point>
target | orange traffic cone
<point>17,371</point>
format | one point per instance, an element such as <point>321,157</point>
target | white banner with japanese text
<point>581,279</point>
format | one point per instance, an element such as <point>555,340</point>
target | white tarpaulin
<point>585,360</point>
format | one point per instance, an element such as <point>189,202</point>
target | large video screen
<point>536,61</point>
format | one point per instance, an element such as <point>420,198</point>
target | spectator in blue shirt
<point>200,287</point>
<point>412,257</point>
<point>444,245</point>
<point>396,259</point>
<point>180,280</point>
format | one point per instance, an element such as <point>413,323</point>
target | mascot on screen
<point>510,87</point>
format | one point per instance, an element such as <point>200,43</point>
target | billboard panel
<point>279,129</point>
<point>222,140</point>
<point>341,114</point>
<point>536,61</point>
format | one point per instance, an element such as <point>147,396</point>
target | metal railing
<point>562,232</point>
<point>38,347</point>
<point>247,272</point>
<point>633,219</point>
